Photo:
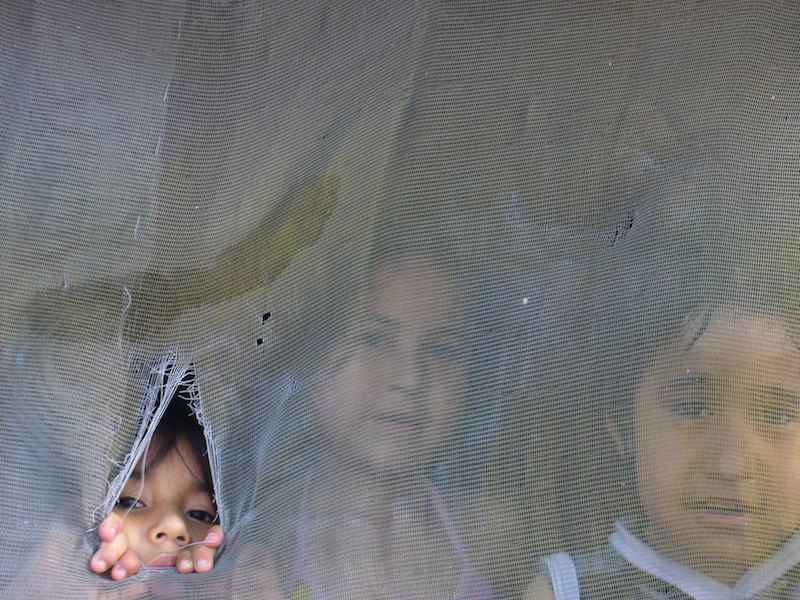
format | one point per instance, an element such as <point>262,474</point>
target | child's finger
<point>108,554</point>
<point>214,537</point>
<point>203,555</point>
<point>127,565</point>
<point>200,558</point>
<point>184,563</point>
<point>203,558</point>
<point>110,527</point>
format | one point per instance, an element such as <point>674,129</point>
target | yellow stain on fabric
<point>150,301</point>
<point>301,592</point>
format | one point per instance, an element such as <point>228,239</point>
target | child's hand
<point>200,558</point>
<point>114,553</point>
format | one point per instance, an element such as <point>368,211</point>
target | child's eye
<point>375,339</point>
<point>693,409</point>
<point>442,350</point>
<point>777,407</point>
<point>777,415</point>
<point>202,516</point>
<point>129,503</point>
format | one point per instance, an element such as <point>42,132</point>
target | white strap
<point>563,577</point>
<point>691,582</point>
<point>768,572</point>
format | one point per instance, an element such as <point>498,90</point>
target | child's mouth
<point>163,561</point>
<point>723,513</point>
<point>397,422</point>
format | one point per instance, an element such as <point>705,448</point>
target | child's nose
<point>169,527</point>
<point>406,369</point>
<point>730,443</point>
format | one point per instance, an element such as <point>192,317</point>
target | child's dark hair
<point>179,421</point>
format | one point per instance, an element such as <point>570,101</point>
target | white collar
<point>694,583</point>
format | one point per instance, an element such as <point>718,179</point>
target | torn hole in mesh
<point>171,380</point>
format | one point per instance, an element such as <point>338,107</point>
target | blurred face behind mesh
<point>392,398</point>
<point>717,434</point>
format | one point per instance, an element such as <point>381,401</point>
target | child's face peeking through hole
<point>717,443</point>
<point>167,505</point>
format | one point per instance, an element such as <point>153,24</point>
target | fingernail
<point>186,564</point>
<point>100,564</point>
<point>202,562</point>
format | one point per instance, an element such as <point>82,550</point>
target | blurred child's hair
<point>689,253</point>
<point>180,422</point>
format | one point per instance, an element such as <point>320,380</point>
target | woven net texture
<point>461,287</point>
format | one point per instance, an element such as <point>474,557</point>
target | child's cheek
<point>785,487</point>
<point>338,400</point>
<point>660,468</point>
<point>443,414</point>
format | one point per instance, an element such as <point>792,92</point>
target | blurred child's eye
<point>375,339</point>
<point>777,407</point>
<point>202,516</point>
<point>777,414</point>
<point>693,409</point>
<point>442,350</point>
<point>129,503</point>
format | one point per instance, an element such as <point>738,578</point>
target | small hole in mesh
<point>265,317</point>
<point>259,341</point>
<point>618,234</point>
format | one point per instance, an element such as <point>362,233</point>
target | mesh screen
<point>482,300</point>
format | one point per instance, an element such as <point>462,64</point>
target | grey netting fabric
<point>471,300</point>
